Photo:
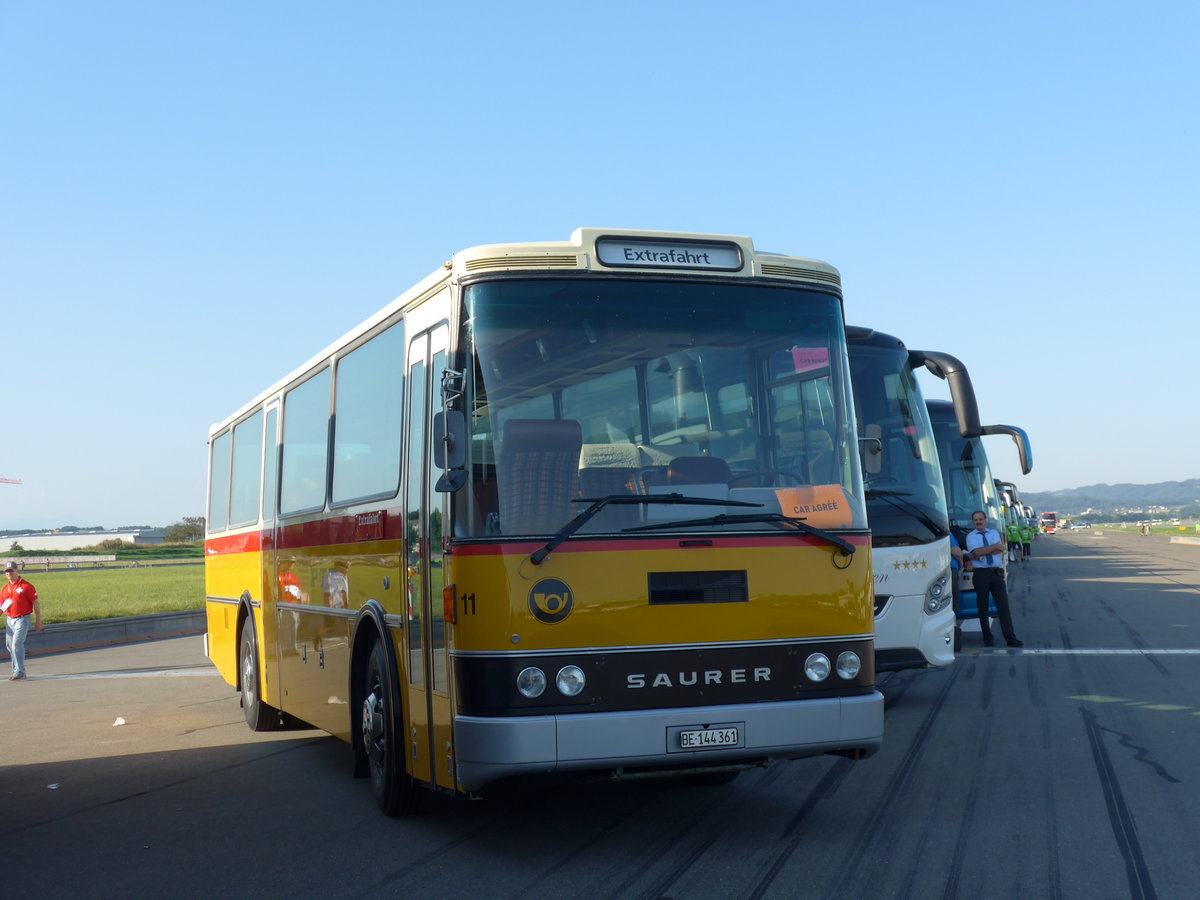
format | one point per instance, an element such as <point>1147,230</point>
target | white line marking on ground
<point>165,673</point>
<point>1082,651</point>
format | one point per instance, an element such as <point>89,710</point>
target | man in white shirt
<point>986,548</point>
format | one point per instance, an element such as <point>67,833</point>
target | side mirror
<point>1020,438</point>
<point>962,393</point>
<point>871,446</point>
<point>450,449</point>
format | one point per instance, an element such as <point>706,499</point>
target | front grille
<point>698,587</point>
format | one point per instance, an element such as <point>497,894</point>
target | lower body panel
<point>490,748</point>
<point>904,632</point>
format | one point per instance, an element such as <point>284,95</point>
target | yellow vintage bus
<point>583,507</point>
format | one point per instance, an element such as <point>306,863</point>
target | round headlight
<point>816,667</point>
<point>848,664</point>
<point>937,597</point>
<point>570,680</point>
<point>531,682</point>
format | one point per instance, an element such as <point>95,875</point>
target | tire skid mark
<point>1033,689</point>
<point>601,830</point>
<point>1135,638</point>
<point>894,685</point>
<point>659,889</point>
<point>880,821</point>
<point>793,834</point>
<point>393,878</point>
<point>1054,872</point>
<point>658,849</point>
<point>1140,754</point>
<point>987,685</point>
<point>1124,829</point>
<point>962,841</point>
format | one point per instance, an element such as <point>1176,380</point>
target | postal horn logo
<point>550,601</point>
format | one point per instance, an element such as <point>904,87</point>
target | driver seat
<point>537,474</point>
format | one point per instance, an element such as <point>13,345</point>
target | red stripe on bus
<point>346,530</point>
<point>317,533</point>
<point>246,542</point>
<point>626,545</point>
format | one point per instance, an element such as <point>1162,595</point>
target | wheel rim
<point>373,721</point>
<point>249,676</point>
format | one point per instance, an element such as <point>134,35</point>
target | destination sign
<point>616,251</point>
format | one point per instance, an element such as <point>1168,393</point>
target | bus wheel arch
<point>366,634</point>
<point>243,613</point>
<point>377,721</point>
<point>260,716</point>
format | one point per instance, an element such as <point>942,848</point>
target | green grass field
<point>77,595</point>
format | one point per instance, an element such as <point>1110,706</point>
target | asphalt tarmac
<point>1066,768</point>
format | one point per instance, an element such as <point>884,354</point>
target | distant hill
<point>1113,496</point>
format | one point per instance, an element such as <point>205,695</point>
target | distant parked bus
<point>906,500</point>
<point>970,486</point>
<point>1048,522</point>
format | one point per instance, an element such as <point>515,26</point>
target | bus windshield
<point>586,388</point>
<point>905,501</point>
<point>967,475</point>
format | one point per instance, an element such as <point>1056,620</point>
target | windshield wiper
<point>896,499</point>
<point>598,503</point>
<point>842,544</point>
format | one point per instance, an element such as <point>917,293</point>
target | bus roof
<point>598,250</point>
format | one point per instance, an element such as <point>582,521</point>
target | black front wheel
<point>260,716</point>
<point>381,738</point>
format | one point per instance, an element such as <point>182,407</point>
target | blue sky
<point>196,197</point>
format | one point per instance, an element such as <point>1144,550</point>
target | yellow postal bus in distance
<point>582,507</point>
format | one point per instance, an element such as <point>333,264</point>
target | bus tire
<point>260,716</point>
<point>381,726</point>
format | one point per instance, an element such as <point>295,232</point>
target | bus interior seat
<point>819,464</point>
<point>606,469</point>
<point>538,474</point>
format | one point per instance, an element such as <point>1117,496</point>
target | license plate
<point>708,738</point>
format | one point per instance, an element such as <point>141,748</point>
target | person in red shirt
<point>18,599</point>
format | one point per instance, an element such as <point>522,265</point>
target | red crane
<point>10,480</point>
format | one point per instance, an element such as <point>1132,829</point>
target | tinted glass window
<point>305,445</point>
<point>271,467</point>
<point>366,450</point>
<point>218,484</point>
<point>247,471</point>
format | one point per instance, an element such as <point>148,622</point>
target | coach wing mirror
<point>871,447</point>
<point>450,449</point>
<point>1020,438</point>
<point>962,393</point>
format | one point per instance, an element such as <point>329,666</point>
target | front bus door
<point>430,746</point>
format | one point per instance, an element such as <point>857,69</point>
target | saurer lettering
<point>688,679</point>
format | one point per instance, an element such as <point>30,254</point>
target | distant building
<point>75,540</point>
